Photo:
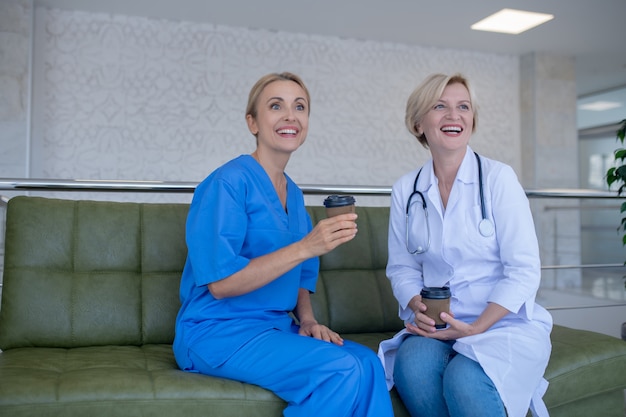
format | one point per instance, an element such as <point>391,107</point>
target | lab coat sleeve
<point>403,271</point>
<point>519,250</point>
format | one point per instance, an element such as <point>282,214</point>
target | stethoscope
<point>485,227</point>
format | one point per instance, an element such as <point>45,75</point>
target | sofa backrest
<point>86,273</point>
<point>353,294</point>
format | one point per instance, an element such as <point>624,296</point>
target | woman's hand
<point>330,233</point>
<point>422,321</point>
<point>319,331</point>
<point>425,326</point>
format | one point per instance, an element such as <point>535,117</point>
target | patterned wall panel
<point>135,98</point>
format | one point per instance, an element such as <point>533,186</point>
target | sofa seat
<point>587,374</point>
<point>127,381</point>
<point>119,381</point>
<point>145,380</point>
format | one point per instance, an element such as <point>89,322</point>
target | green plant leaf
<point>618,175</point>
<point>620,172</point>
<point>610,176</point>
<point>620,154</point>
<point>621,132</point>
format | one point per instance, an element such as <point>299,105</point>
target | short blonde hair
<point>264,81</point>
<point>424,97</point>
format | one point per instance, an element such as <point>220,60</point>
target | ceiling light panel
<point>600,105</point>
<point>512,21</point>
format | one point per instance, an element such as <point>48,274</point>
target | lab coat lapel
<point>467,174</point>
<point>432,192</point>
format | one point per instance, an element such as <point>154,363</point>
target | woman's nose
<point>453,113</point>
<point>290,115</point>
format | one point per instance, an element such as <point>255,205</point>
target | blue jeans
<point>435,381</point>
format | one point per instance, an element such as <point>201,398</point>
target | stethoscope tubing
<point>485,227</point>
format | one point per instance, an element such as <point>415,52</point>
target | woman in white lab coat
<point>491,357</point>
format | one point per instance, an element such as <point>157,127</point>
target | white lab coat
<point>503,268</point>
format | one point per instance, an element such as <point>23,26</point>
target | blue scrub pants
<point>435,381</point>
<point>314,377</point>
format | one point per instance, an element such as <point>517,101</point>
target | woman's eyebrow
<point>282,99</point>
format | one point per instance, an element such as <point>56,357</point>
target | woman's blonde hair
<point>424,97</point>
<point>264,81</point>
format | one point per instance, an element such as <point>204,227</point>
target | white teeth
<point>451,129</point>
<point>287,131</point>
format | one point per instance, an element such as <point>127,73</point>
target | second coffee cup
<point>437,300</point>
<point>339,204</point>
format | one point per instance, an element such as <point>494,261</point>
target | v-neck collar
<point>289,213</point>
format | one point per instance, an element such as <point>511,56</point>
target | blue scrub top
<point>236,215</point>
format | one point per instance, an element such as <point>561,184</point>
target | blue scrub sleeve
<point>216,227</point>
<point>308,278</point>
<point>310,267</point>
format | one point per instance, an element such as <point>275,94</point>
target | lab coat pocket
<point>471,225</point>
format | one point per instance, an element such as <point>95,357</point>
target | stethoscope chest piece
<point>485,227</point>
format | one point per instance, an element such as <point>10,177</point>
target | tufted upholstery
<point>95,273</point>
<point>353,293</point>
<point>91,292</point>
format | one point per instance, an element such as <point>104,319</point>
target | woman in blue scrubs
<point>253,259</point>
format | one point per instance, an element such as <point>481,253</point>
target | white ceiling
<point>592,31</point>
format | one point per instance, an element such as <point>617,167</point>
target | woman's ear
<point>252,127</point>
<point>418,129</point>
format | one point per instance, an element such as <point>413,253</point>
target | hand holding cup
<point>437,301</point>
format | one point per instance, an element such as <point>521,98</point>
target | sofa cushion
<point>105,381</point>
<point>353,294</point>
<point>587,374</point>
<point>87,273</point>
<point>119,381</point>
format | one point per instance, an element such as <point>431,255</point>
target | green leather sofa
<point>91,292</point>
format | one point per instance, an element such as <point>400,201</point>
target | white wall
<point>15,41</point>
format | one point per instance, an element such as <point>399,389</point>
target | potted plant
<point>617,175</point>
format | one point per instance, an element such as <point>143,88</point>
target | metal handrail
<point>585,266</point>
<point>24,184</point>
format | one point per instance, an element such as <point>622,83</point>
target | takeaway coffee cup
<point>339,204</point>
<point>437,300</point>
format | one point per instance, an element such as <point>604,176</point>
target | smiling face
<point>281,121</point>
<point>449,123</point>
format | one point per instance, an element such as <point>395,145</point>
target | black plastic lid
<point>339,200</point>
<point>435,292</point>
